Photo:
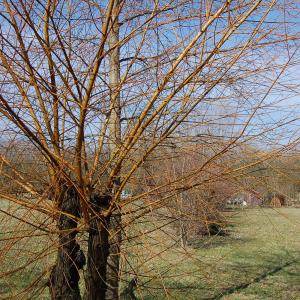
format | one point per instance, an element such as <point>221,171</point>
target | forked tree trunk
<point>102,275</point>
<point>98,250</point>
<point>64,278</point>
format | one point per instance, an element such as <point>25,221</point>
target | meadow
<point>259,259</point>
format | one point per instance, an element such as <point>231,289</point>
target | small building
<point>246,198</point>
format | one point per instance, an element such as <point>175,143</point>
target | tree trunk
<point>98,249</point>
<point>182,220</point>
<point>113,271</point>
<point>102,276</point>
<point>183,233</point>
<point>64,277</point>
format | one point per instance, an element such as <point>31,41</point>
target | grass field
<point>260,259</point>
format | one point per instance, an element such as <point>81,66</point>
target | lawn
<point>260,259</point>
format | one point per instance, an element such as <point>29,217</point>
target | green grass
<point>260,259</point>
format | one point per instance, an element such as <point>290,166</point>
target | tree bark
<point>102,276</point>
<point>183,233</point>
<point>64,277</point>
<point>113,271</point>
<point>98,249</point>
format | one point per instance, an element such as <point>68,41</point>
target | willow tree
<point>96,87</point>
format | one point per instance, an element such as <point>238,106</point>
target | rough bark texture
<point>64,278</point>
<point>98,250</point>
<point>113,271</point>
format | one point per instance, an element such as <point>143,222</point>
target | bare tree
<point>96,88</point>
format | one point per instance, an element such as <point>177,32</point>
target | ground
<point>260,259</point>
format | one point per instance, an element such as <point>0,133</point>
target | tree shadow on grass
<point>259,278</point>
<point>231,237</point>
<point>268,265</point>
<point>218,241</point>
<point>176,290</point>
